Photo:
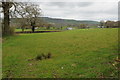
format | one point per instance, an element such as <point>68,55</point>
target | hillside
<point>68,21</point>
<point>61,22</point>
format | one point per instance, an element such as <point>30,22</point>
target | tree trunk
<point>22,29</point>
<point>33,28</point>
<point>6,23</point>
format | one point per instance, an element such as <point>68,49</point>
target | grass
<point>85,53</point>
<point>18,30</point>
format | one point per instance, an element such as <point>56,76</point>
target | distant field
<point>18,30</point>
<point>85,53</point>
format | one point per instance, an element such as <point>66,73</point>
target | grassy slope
<point>76,53</point>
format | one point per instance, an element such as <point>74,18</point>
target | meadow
<point>20,30</point>
<point>83,53</point>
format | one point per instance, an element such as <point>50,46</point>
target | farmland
<point>82,53</point>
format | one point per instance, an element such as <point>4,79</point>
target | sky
<point>79,9</point>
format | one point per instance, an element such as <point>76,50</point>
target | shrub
<point>44,56</point>
<point>39,57</point>
<point>49,55</point>
<point>12,30</point>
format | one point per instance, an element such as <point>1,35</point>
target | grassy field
<point>20,30</point>
<point>85,53</point>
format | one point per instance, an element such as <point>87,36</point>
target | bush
<point>43,56</point>
<point>39,57</point>
<point>49,55</point>
<point>11,31</point>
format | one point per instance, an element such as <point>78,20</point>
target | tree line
<point>109,24</point>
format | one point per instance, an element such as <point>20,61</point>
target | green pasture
<point>83,53</point>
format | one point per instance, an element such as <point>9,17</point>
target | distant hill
<point>61,22</point>
<point>68,21</point>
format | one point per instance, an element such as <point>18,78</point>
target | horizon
<point>76,19</point>
<point>95,11</point>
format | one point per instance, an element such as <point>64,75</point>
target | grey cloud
<point>85,4</point>
<point>80,10</point>
<point>70,4</point>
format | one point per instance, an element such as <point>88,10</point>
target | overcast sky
<point>79,9</point>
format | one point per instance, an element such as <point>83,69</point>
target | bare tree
<point>109,24</point>
<point>29,13</point>
<point>6,21</point>
<point>25,10</point>
<point>102,23</point>
<point>6,6</point>
<point>33,13</point>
